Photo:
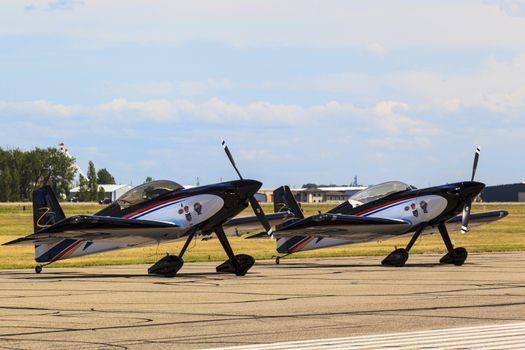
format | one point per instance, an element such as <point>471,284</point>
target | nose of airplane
<point>249,187</point>
<point>471,189</point>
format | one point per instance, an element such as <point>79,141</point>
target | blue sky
<point>303,91</point>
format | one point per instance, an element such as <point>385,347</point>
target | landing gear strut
<point>456,256</point>
<point>169,265</point>
<point>278,258</point>
<point>399,257</point>
<point>237,264</point>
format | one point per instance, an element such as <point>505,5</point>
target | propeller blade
<point>475,166</point>
<point>260,215</point>
<point>230,157</point>
<point>466,215</point>
<point>468,202</point>
<point>253,202</point>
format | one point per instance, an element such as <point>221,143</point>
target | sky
<point>302,91</point>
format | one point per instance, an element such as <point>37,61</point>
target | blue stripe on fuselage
<point>289,243</point>
<point>55,250</point>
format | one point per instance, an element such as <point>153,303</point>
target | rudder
<point>46,209</point>
<point>283,200</point>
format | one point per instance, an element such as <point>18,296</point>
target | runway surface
<point>504,336</point>
<point>299,300</point>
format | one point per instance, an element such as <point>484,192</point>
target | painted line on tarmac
<point>504,336</point>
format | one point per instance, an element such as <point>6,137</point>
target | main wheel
<point>38,268</point>
<point>456,257</point>
<point>277,260</point>
<point>397,258</point>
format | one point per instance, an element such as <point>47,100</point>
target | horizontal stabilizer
<point>343,226</point>
<point>241,225</point>
<point>91,227</point>
<point>475,219</point>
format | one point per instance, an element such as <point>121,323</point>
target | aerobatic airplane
<point>150,213</point>
<point>384,211</point>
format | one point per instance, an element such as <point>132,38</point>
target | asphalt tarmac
<point>122,307</point>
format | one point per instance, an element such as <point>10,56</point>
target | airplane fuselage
<point>431,206</point>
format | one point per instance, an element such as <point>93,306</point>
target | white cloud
<point>510,7</point>
<point>497,86</point>
<point>212,110</point>
<point>375,48</point>
<point>270,23</point>
<point>388,107</point>
<point>61,5</point>
<point>39,106</point>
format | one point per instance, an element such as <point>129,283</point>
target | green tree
<point>149,179</point>
<point>92,182</point>
<point>15,185</point>
<point>101,193</point>
<point>31,169</point>
<point>39,167</point>
<point>83,191</point>
<point>104,177</point>
<point>5,184</point>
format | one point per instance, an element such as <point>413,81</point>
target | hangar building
<point>336,194</point>
<point>504,193</point>
<point>112,191</point>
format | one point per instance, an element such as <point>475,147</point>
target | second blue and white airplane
<point>388,210</point>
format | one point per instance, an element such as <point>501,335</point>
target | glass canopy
<point>146,192</point>
<point>378,191</point>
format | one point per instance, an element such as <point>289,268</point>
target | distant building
<point>334,194</point>
<point>112,191</point>
<point>504,193</point>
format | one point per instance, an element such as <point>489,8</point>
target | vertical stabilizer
<point>283,200</point>
<point>46,209</point>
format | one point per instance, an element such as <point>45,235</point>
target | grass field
<point>507,234</point>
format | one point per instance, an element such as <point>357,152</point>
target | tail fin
<point>283,200</point>
<point>46,209</point>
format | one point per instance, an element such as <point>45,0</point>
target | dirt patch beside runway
<point>122,307</point>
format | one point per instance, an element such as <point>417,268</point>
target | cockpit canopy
<point>375,192</point>
<point>146,192</point>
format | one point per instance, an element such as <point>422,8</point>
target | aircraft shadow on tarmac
<point>80,275</point>
<point>331,266</point>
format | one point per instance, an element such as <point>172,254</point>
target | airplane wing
<point>343,226</point>
<point>245,224</point>
<point>105,228</point>
<point>476,219</point>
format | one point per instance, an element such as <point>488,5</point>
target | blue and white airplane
<point>388,210</point>
<point>148,214</point>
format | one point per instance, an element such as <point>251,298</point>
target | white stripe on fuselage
<point>420,209</point>
<point>185,212</point>
<point>415,210</point>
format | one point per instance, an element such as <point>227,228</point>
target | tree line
<point>89,189</point>
<point>21,172</point>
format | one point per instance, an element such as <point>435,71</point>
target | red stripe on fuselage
<point>152,206</point>
<point>383,205</point>
<point>64,252</point>
<point>300,245</point>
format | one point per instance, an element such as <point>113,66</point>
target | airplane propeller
<point>253,202</point>
<point>468,202</point>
